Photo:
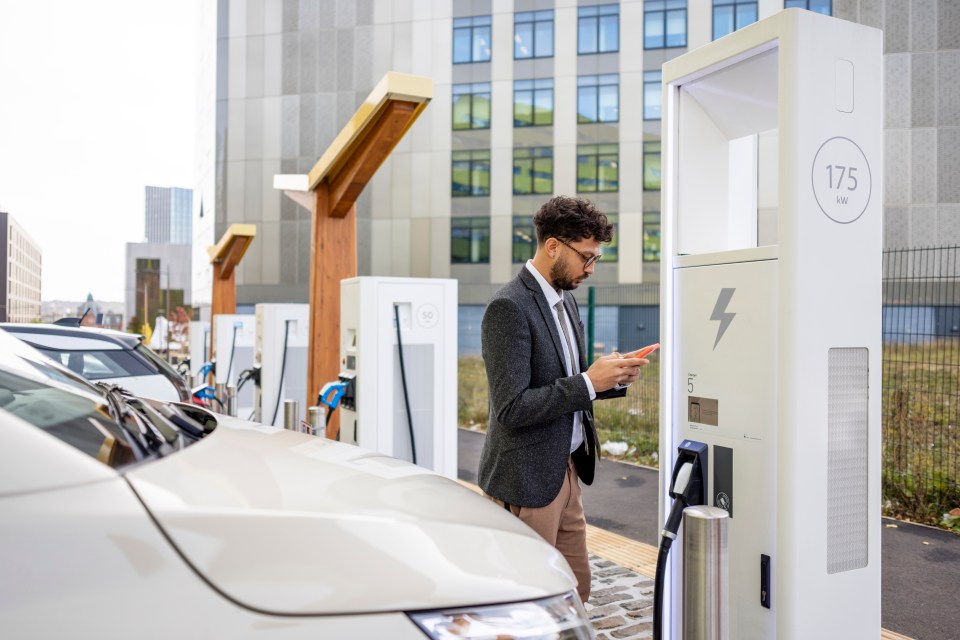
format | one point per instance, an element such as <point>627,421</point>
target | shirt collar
<point>551,294</point>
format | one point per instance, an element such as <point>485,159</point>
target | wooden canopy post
<point>225,256</point>
<point>330,192</point>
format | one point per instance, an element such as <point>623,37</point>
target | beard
<point>560,275</point>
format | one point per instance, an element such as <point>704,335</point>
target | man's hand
<point>612,370</point>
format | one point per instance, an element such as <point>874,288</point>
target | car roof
<point>124,340</point>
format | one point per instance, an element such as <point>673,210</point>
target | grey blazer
<point>532,400</point>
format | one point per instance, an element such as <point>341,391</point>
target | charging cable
<point>283,367</point>
<point>403,378</point>
<point>686,488</point>
<point>233,349</point>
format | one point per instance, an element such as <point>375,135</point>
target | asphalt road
<point>920,565</point>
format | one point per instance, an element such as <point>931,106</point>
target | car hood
<point>287,523</point>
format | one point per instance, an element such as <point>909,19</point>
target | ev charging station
<point>282,339</point>
<point>199,346</point>
<point>234,339</point>
<point>403,378</point>
<point>771,318</point>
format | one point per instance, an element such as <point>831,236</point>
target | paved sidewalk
<point>621,601</point>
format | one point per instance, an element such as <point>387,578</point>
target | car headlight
<point>556,618</point>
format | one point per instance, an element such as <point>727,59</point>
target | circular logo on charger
<point>723,501</point>
<point>428,316</point>
<point>841,177</point>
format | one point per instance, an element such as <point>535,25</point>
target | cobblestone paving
<point>621,602</point>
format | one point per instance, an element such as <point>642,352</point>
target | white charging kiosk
<point>234,342</point>
<point>771,316</point>
<point>376,416</point>
<point>199,346</point>
<point>283,340</point>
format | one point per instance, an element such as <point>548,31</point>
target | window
<point>471,106</point>
<point>651,236</point>
<point>651,166</point>
<point>598,98</point>
<point>533,170</point>
<point>470,240</point>
<point>819,6</point>
<point>524,238</point>
<point>611,251</point>
<point>664,24</point>
<point>533,35</point>
<point>532,102</point>
<point>652,92</point>
<point>730,15</point>
<point>598,29</point>
<point>471,39</point>
<point>471,173</point>
<point>598,167</point>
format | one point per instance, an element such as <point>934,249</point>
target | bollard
<point>317,417</point>
<point>188,380</point>
<point>291,413</point>
<point>705,574</point>
<point>232,400</point>
<point>220,391</point>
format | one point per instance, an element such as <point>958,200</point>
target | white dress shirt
<point>553,296</point>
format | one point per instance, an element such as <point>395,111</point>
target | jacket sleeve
<point>520,396</point>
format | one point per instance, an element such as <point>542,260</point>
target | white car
<point>106,355</point>
<point>129,518</point>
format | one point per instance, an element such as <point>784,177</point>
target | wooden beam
<point>225,256</point>
<point>333,254</point>
<point>347,184</point>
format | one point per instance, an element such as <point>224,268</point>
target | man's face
<point>568,271</point>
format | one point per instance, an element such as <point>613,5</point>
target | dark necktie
<point>566,336</point>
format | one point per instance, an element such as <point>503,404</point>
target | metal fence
<point>624,318</point>
<point>921,381</point>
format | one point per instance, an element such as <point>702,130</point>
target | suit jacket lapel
<point>531,283</point>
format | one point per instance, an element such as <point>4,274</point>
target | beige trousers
<point>562,524</point>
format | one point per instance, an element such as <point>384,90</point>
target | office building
<point>532,98</point>
<point>168,215</point>
<point>20,271</point>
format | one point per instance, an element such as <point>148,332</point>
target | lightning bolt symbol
<point>720,313</point>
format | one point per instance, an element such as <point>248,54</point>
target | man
<point>541,436</point>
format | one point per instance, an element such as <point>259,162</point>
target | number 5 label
<point>841,178</point>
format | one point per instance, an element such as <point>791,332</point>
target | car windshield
<point>80,420</point>
<point>101,364</point>
<point>102,421</point>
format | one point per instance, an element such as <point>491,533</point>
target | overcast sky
<point>96,102</point>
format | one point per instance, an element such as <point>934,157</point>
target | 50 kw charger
<point>770,317</point>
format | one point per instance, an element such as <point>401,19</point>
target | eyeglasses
<point>588,259</point>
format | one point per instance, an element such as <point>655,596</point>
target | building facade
<point>158,273</point>
<point>168,215</point>
<point>532,98</point>
<point>157,282</point>
<point>20,272</point>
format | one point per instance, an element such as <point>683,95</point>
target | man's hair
<point>571,219</point>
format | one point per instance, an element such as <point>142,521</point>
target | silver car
<point>106,355</point>
<point>123,517</point>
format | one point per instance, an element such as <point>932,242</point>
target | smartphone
<point>643,352</point>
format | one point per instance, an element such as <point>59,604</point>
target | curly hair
<point>571,219</point>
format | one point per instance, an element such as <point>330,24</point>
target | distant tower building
<point>158,270</point>
<point>19,273</point>
<point>169,213</point>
